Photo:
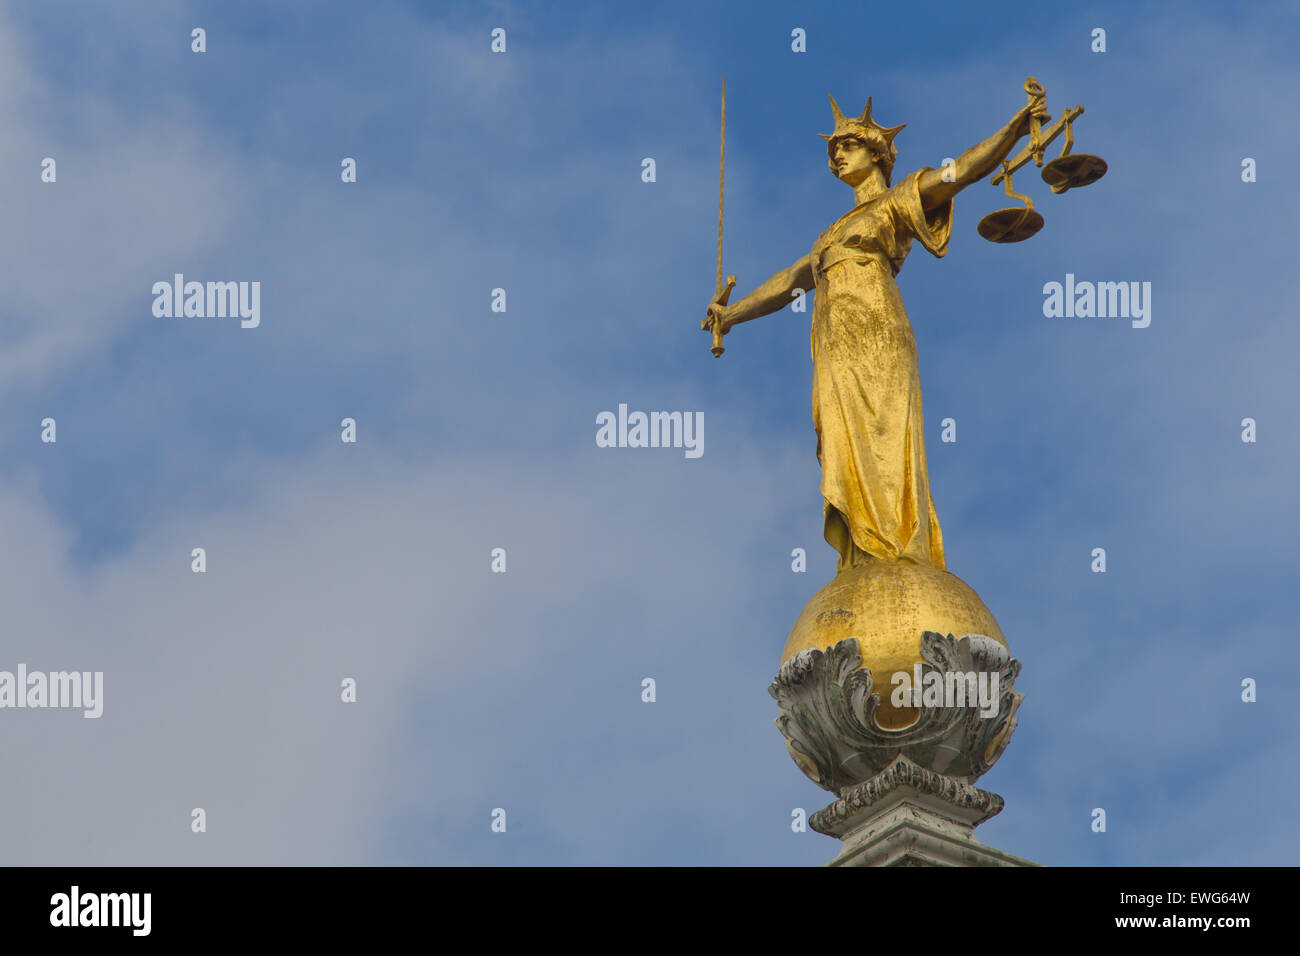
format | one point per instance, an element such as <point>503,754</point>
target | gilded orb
<point>887,606</point>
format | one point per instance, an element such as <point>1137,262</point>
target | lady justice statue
<point>891,583</point>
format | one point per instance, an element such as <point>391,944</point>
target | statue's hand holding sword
<point>714,320</point>
<point>722,291</point>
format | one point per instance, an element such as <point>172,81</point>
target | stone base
<point>829,709</point>
<point>909,816</point>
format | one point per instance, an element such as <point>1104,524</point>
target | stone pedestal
<point>909,816</point>
<point>907,794</point>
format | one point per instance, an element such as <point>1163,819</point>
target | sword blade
<point>722,167</point>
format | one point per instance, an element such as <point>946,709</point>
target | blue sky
<point>476,429</point>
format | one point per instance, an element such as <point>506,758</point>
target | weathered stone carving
<point>828,713</point>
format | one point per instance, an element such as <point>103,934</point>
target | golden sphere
<point>887,605</point>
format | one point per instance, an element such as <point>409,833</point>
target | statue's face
<point>853,160</point>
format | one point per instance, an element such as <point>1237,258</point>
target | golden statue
<point>866,394</point>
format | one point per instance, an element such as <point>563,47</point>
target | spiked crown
<point>865,128</point>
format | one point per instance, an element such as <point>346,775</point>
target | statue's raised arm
<point>940,185</point>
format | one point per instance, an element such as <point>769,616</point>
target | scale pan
<point>1077,169</point>
<point>1010,225</point>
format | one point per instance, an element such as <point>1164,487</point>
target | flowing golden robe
<point>866,392</point>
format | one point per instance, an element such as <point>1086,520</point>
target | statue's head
<point>857,144</point>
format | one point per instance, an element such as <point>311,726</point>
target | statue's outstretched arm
<point>975,163</point>
<point>772,296</point>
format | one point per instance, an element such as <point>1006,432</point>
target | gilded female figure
<point>866,395</point>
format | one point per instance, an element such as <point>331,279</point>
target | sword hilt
<point>721,298</point>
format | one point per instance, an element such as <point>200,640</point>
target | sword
<point>721,291</point>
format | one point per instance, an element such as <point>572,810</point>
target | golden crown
<point>844,126</point>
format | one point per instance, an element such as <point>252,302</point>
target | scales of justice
<point>896,687</point>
